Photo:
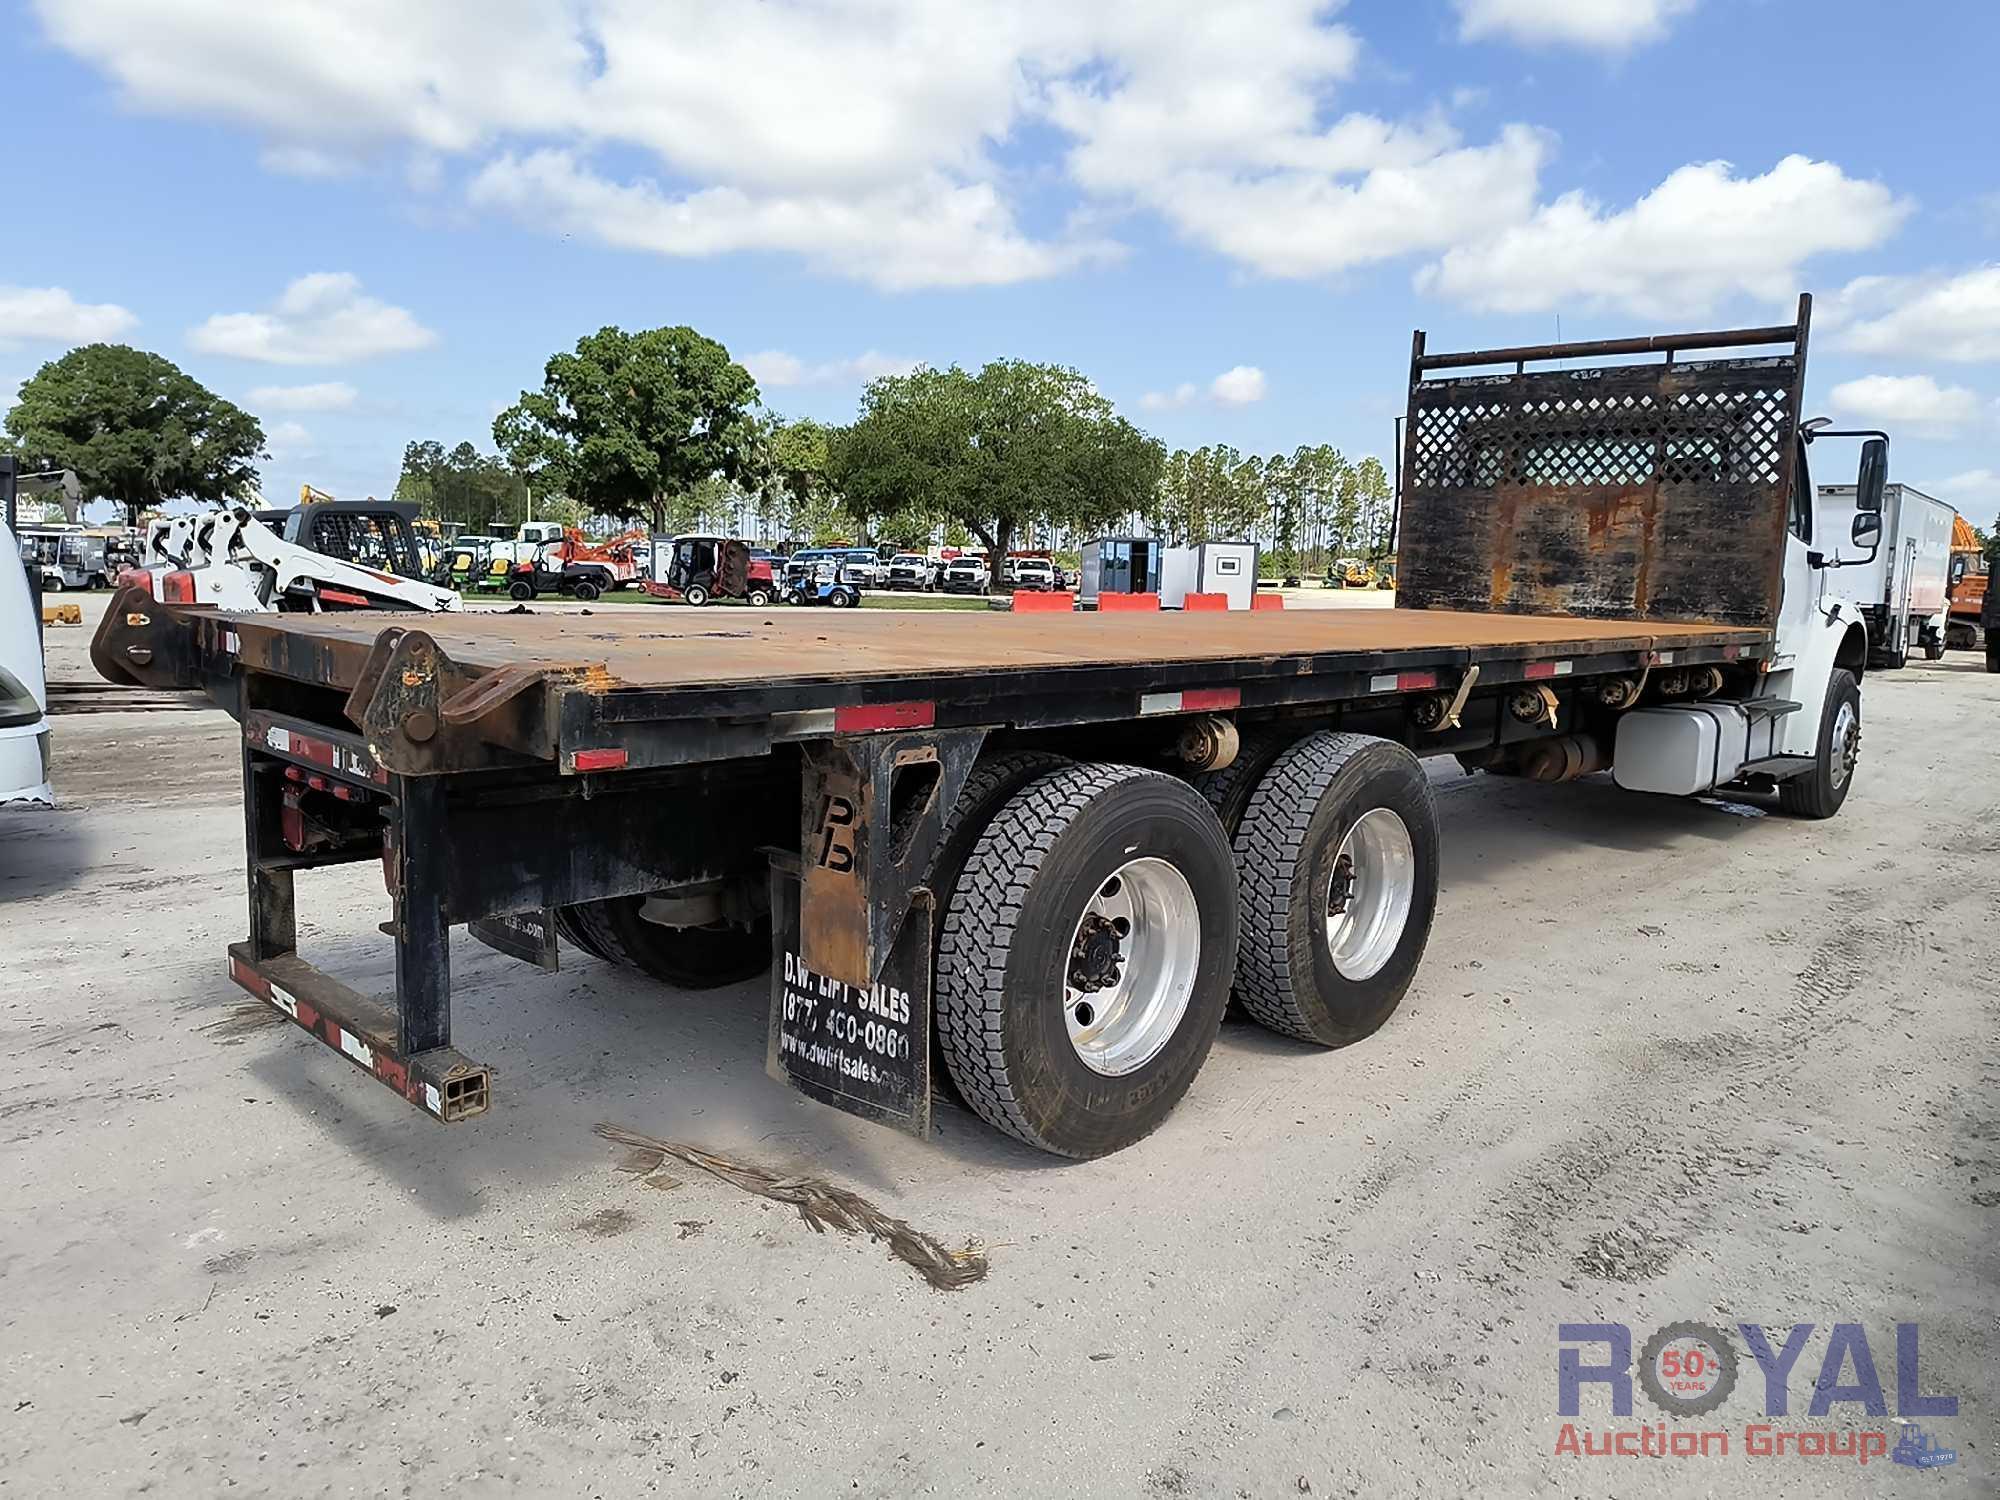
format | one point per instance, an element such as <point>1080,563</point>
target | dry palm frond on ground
<point>821,1204</point>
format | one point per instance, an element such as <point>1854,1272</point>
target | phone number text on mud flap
<point>877,1018</point>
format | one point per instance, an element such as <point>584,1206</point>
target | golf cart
<point>828,581</point>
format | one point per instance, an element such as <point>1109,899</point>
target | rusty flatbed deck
<point>666,649</point>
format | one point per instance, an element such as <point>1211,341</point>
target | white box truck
<point>1226,568</point>
<point>1901,593</point>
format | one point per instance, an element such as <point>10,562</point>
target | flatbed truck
<point>1032,857</point>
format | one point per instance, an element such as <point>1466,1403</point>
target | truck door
<point>1800,601</point>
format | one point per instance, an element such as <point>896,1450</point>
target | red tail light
<point>177,588</point>
<point>136,578</point>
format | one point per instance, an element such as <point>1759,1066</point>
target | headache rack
<point>1638,490</point>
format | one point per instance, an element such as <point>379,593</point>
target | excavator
<point>1969,571</point>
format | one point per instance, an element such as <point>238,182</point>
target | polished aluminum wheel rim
<point>1846,744</point>
<point>1369,894</point>
<point>1152,915</point>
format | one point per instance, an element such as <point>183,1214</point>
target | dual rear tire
<point>1086,957</point>
<point>1096,926</point>
<point>1096,919</point>
<point>1336,860</point>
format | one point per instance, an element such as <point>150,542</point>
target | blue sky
<point>371,221</point>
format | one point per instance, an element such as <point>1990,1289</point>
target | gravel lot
<point>1664,1061</point>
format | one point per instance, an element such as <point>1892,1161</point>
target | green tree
<point>1284,482</point>
<point>1376,501</point>
<point>630,422</point>
<point>1321,475</point>
<point>136,429</point>
<point>478,491</point>
<point>1015,445</point>
<point>795,494</point>
<point>1210,494</point>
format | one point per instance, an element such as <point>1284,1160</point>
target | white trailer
<point>1902,592</point>
<point>1226,568</point>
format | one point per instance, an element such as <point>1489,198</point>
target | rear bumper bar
<point>443,1082</point>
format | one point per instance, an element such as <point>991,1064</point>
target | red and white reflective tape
<point>391,1069</point>
<point>1191,701</point>
<point>351,1044</point>
<point>336,758</point>
<point>1402,682</point>
<point>1660,658</point>
<point>1538,669</point>
<point>855,718</point>
<point>257,984</point>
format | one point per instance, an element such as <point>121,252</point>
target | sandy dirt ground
<point>1664,1061</point>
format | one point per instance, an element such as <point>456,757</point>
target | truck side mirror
<point>1958,565</point>
<point>1873,477</point>
<point>1867,529</point>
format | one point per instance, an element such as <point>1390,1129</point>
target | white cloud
<point>1975,487</point>
<point>1913,402</point>
<point>327,395</point>
<point>320,319</point>
<point>1922,317</point>
<point>51,313</point>
<point>288,442</point>
<point>1239,386</point>
<point>1312,223</point>
<point>925,233</point>
<point>882,140</point>
<point>1700,237</point>
<point>1602,25</point>
<point>1184,394</point>
<point>293,160</point>
<point>774,367</point>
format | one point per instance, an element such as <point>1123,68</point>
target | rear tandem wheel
<point>1085,956</point>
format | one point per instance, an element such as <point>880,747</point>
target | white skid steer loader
<point>314,558</point>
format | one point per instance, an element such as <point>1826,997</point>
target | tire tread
<point>979,927</point>
<point>1268,844</point>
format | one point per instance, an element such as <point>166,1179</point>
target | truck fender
<point>1852,653</point>
<point>1806,681</point>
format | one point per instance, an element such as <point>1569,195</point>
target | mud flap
<point>863,1050</point>
<point>527,935</point>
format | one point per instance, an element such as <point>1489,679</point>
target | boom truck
<point>1040,852</point>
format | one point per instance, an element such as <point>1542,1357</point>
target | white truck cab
<point>1803,730</point>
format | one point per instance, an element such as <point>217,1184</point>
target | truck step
<point>1777,767</point>
<point>1769,708</point>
